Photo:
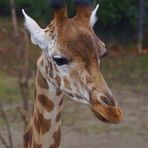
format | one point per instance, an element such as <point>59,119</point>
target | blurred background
<point>123,26</point>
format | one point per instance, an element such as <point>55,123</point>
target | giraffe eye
<point>61,61</point>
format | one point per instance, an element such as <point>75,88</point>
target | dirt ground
<point>82,130</point>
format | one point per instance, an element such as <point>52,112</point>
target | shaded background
<point>123,26</point>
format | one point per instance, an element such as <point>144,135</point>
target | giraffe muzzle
<point>106,110</point>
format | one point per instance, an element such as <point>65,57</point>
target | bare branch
<point>23,70</point>
<point>24,115</point>
<point>7,125</point>
<point>4,141</point>
<point>140,26</point>
<point>14,19</point>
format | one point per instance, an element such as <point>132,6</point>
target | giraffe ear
<point>38,36</point>
<point>93,17</point>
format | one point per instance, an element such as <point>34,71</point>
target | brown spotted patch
<point>61,102</point>
<point>69,94</point>
<point>50,71</point>
<point>58,92</point>
<point>41,81</point>
<point>47,30</point>
<point>58,117</point>
<point>52,31</point>
<point>28,138</point>
<point>41,124</point>
<point>53,37</point>
<point>66,83</point>
<point>36,124</point>
<point>46,69</point>
<point>57,139</point>
<point>35,145</point>
<point>58,80</point>
<point>50,66</point>
<point>50,25</point>
<point>50,74</point>
<point>78,97</point>
<point>47,104</point>
<point>42,63</point>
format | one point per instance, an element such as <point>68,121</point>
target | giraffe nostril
<point>108,100</point>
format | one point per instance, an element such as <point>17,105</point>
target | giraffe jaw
<point>39,36</point>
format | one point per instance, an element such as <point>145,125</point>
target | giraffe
<point>69,65</point>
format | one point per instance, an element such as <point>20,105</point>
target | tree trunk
<point>140,26</point>
<point>14,19</point>
<point>22,46</point>
<point>23,71</point>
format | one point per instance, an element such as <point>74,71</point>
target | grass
<point>126,70</point>
<point>2,123</point>
<point>9,89</point>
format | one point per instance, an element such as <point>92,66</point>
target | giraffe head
<point>72,54</point>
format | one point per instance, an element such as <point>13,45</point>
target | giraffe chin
<point>108,114</point>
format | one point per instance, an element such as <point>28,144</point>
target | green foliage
<point>38,9</point>
<point>4,7</point>
<point>112,13</point>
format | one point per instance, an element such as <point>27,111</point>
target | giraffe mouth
<point>106,113</point>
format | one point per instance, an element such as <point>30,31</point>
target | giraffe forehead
<point>78,40</point>
<point>80,45</point>
<point>75,38</point>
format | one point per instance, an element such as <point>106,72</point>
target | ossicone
<point>83,8</point>
<point>60,10</point>
<point>82,2</point>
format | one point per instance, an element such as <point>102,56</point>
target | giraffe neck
<point>44,130</point>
